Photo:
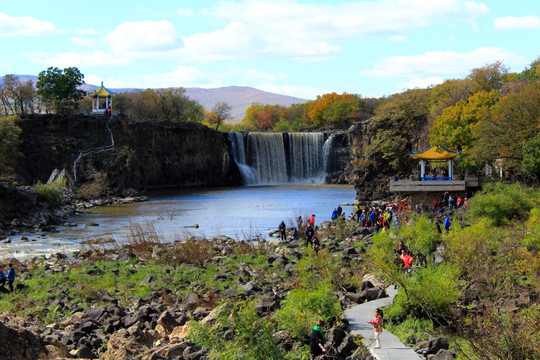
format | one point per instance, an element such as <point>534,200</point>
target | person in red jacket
<point>407,260</point>
<point>377,323</point>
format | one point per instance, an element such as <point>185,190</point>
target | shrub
<point>94,189</point>
<point>302,308</point>
<point>503,203</point>
<point>252,335</point>
<point>52,192</point>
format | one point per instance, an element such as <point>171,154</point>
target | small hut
<point>437,153</point>
<point>102,100</point>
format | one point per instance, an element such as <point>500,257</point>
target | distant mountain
<point>238,97</point>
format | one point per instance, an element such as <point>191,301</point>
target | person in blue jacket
<point>3,279</point>
<point>10,277</point>
<point>447,224</point>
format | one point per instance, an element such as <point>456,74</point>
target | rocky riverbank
<point>78,320</point>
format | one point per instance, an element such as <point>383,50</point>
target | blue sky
<point>298,48</point>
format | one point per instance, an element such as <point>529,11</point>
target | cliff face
<point>145,154</point>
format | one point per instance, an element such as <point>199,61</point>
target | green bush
<point>503,203</point>
<point>252,335</point>
<point>302,308</point>
<point>52,193</point>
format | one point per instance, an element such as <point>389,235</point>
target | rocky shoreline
<point>109,326</point>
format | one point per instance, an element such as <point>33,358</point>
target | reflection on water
<point>242,212</point>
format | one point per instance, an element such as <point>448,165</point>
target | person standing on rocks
<point>282,231</point>
<point>10,277</point>
<point>299,222</point>
<point>3,279</point>
<point>339,210</point>
<point>309,234</point>
<point>311,220</point>
<point>316,341</point>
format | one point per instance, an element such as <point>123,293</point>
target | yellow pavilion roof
<point>435,152</point>
<point>101,91</point>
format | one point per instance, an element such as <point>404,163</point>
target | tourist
<point>316,341</point>
<point>282,231</point>
<point>339,210</point>
<point>299,222</point>
<point>309,234</point>
<point>447,224</point>
<point>451,202</point>
<point>459,202</point>
<point>407,260</point>
<point>316,244</point>
<point>3,279</point>
<point>295,234</point>
<point>334,214</point>
<point>10,277</point>
<point>312,220</point>
<point>377,323</point>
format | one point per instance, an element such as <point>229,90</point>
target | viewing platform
<point>433,184</point>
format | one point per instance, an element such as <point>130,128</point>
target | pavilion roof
<point>435,152</point>
<point>102,91</point>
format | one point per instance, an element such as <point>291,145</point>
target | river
<point>240,212</point>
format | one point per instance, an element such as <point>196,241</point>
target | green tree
<point>60,88</point>
<point>531,157</point>
<point>489,77</point>
<point>9,143</point>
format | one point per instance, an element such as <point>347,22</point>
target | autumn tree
<point>262,117</point>
<point>396,127</point>
<point>17,97</point>
<point>60,88</point>
<point>455,127</point>
<point>513,121</point>
<point>334,110</point>
<point>220,113</point>
<point>489,77</point>
<point>170,104</point>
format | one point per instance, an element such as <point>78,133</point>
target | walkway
<point>392,348</point>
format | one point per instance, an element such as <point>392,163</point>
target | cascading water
<point>306,157</point>
<point>280,158</point>
<point>266,154</point>
<point>249,176</point>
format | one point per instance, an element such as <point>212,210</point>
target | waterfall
<point>306,157</point>
<point>249,177</point>
<point>281,158</point>
<point>267,157</point>
<point>327,153</point>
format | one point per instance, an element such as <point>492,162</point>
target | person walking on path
<point>10,277</point>
<point>377,323</point>
<point>316,341</point>
<point>282,231</point>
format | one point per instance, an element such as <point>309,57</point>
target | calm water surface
<point>241,213</point>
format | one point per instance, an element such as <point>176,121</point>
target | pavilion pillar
<point>422,168</point>
<point>450,169</point>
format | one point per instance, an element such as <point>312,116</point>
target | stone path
<point>391,347</point>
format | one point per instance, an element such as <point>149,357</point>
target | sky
<point>290,47</point>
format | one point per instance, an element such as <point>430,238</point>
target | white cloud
<point>184,76</point>
<point>25,26</point>
<point>84,42</point>
<point>86,31</point>
<point>249,74</point>
<point>84,59</point>
<point>133,37</point>
<point>420,83</point>
<point>517,23</point>
<point>285,28</point>
<point>442,63</point>
<point>184,12</point>
<point>398,38</point>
